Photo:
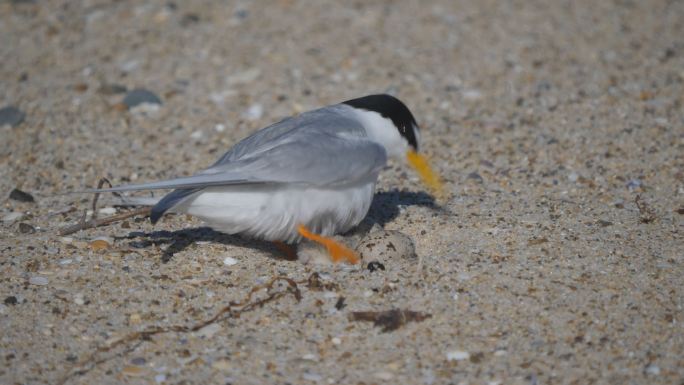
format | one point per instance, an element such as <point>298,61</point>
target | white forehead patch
<point>381,130</point>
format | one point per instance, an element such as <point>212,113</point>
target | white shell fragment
<point>457,355</point>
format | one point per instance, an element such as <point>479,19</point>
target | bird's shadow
<point>386,206</point>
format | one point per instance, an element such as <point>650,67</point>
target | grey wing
<point>317,159</point>
<point>333,119</point>
<point>314,158</point>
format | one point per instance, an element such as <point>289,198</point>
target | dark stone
<point>21,196</point>
<point>11,300</point>
<point>25,228</point>
<point>11,115</point>
<point>475,176</point>
<point>140,96</point>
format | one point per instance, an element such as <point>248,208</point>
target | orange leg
<point>337,251</point>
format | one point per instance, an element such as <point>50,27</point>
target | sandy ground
<point>557,126</point>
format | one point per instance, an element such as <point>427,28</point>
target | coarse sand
<point>557,126</point>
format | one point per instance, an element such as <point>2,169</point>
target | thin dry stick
<point>95,222</point>
<point>90,362</point>
<point>92,223</point>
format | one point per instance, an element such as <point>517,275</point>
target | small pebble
<point>383,375</point>
<point>79,299</point>
<point>230,261</point>
<point>385,245</point>
<point>38,281</point>
<point>254,112</point>
<point>139,361</point>
<point>472,95</point>
<point>100,243</point>
<point>476,177</point>
<point>336,340</point>
<point>652,370</point>
<point>633,184</point>
<point>66,261</point>
<point>140,96</point>
<point>25,228</point>
<point>310,357</point>
<point>21,196</point>
<point>457,355</point>
<point>573,177</point>
<point>13,216</point>
<point>208,331</point>
<point>309,376</point>
<point>159,378</point>
<point>133,371</point>
<point>222,364</point>
<point>220,127</point>
<point>244,77</point>
<point>11,116</point>
<point>107,211</point>
<point>11,300</point>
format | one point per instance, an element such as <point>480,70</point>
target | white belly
<point>273,213</point>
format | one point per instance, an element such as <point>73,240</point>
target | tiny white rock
<point>220,127</point>
<point>230,261</point>
<point>254,112</point>
<point>653,370</point>
<point>457,355</point>
<point>385,376</point>
<point>79,299</point>
<point>209,330</point>
<point>39,281</point>
<point>310,357</point>
<point>107,211</point>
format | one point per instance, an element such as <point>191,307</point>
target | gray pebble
<point>140,96</point>
<point>476,177</point>
<point>11,116</point>
<point>386,245</point>
<point>39,281</point>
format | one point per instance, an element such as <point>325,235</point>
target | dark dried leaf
<point>389,320</point>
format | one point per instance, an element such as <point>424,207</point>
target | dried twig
<point>389,320</point>
<point>233,309</point>
<point>93,222</point>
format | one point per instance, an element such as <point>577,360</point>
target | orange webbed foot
<point>337,251</point>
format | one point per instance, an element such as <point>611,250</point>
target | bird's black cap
<point>391,108</point>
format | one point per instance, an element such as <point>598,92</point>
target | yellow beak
<point>427,175</point>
